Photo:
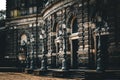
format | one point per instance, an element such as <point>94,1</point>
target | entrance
<point>74,58</point>
<point>104,50</point>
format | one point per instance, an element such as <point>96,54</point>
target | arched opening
<point>74,43</point>
<point>23,47</point>
<point>23,38</point>
<point>74,25</point>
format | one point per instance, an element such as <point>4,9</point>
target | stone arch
<point>74,25</point>
<point>25,32</point>
<point>23,39</point>
<point>69,19</point>
<point>74,42</point>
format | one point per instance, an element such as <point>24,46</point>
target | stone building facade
<point>64,33</point>
<point>2,38</point>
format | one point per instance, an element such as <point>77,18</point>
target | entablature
<point>56,7</point>
<point>30,21</point>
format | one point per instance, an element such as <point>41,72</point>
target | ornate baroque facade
<point>79,33</point>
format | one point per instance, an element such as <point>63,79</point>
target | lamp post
<point>64,61</point>
<point>100,55</point>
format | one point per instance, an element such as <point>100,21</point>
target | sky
<point>2,4</point>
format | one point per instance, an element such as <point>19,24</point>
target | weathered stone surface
<point>20,76</point>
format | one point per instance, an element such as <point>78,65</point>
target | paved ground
<point>22,76</point>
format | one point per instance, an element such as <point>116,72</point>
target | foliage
<point>2,18</point>
<point>2,14</point>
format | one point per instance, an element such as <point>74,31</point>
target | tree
<point>2,14</point>
<point>2,18</point>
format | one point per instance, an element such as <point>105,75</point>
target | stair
<point>38,72</point>
<point>107,75</point>
<point>77,74</point>
<point>68,74</point>
<point>10,69</point>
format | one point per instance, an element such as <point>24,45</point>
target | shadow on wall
<point>2,44</point>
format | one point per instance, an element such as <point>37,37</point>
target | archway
<point>23,47</point>
<point>74,43</point>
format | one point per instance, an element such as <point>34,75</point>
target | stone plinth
<point>28,71</point>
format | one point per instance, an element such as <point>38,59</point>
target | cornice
<point>22,21</point>
<point>56,7</point>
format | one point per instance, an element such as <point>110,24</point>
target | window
<point>23,12</point>
<point>35,9</point>
<point>11,13</point>
<point>30,10</point>
<point>23,39</point>
<point>15,13</point>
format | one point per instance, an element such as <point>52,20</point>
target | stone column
<point>64,61</point>
<point>100,55</point>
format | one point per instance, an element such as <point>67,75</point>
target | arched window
<point>75,26</point>
<point>23,39</point>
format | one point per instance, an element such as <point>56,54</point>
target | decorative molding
<point>52,33</point>
<point>74,36</point>
<point>56,7</point>
<point>24,21</point>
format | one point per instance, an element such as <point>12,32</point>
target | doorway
<point>104,50</point>
<point>74,57</point>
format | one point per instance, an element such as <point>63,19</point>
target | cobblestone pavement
<point>22,76</point>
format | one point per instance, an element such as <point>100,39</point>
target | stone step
<point>107,75</point>
<point>77,74</point>
<point>10,69</point>
<point>59,73</point>
<point>83,73</point>
<point>38,72</point>
<point>69,74</point>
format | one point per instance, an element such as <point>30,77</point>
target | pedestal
<point>39,72</point>
<point>28,71</point>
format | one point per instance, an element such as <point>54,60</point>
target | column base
<point>60,73</point>
<point>38,72</point>
<point>28,71</point>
